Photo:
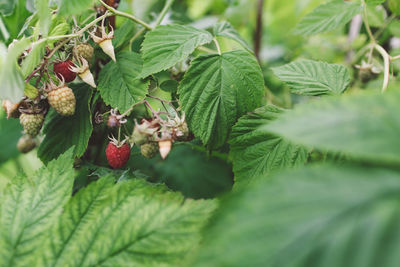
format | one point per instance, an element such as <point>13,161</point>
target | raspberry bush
<point>153,133</point>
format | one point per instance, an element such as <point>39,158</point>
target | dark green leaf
<point>74,7</point>
<point>255,153</point>
<point>64,132</point>
<point>308,77</point>
<point>119,82</point>
<point>217,90</point>
<point>167,45</point>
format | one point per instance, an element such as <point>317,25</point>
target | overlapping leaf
<point>316,216</point>
<point>217,90</point>
<point>119,84</point>
<point>64,132</point>
<point>328,17</point>
<point>225,29</point>
<point>308,77</point>
<point>365,126</point>
<point>256,153</point>
<point>167,45</point>
<point>74,7</point>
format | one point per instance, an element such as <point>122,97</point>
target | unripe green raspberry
<point>63,100</point>
<point>32,123</point>
<point>83,50</point>
<point>26,143</point>
<point>149,150</point>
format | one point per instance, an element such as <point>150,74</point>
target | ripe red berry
<point>118,156</point>
<point>61,69</point>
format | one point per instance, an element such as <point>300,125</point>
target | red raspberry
<point>61,69</point>
<point>118,156</point>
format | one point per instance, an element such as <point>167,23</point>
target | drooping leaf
<point>132,223</point>
<point>217,90</point>
<point>328,17</point>
<point>33,59</point>
<point>364,126</point>
<point>64,132</point>
<point>167,45</point>
<point>255,153</point>
<point>11,78</point>
<point>316,216</point>
<point>74,7</point>
<point>29,206</point>
<point>225,29</point>
<point>119,84</point>
<point>308,77</point>
<point>44,15</point>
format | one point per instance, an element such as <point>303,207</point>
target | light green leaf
<point>225,29</point>
<point>365,126</point>
<point>11,78</point>
<point>316,216</point>
<point>394,6</point>
<point>132,223</point>
<point>328,17</point>
<point>73,130</point>
<point>29,206</point>
<point>167,45</point>
<point>44,15</point>
<point>75,7</point>
<point>308,77</point>
<point>33,59</point>
<point>31,91</point>
<point>119,82</point>
<point>255,153</point>
<point>217,90</point>
<point>375,2</point>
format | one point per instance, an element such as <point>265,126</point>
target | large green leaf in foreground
<point>256,153</point>
<point>131,223</point>
<point>317,216</point>
<point>217,90</point>
<point>364,126</point>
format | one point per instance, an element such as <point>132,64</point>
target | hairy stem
<point>167,6</point>
<point>386,63</point>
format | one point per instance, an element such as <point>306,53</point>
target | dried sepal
<point>105,41</point>
<point>83,71</point>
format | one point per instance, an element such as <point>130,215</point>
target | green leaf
<point>328,17</point>
<point>394,6</point>
<point>29,206</point>
<point>375,2</point>
<point>10,132</point>
<point>44,15</point>
<point>167,45</point>
<point>73,130</point>
<point>364,126</point>
<point>130,224</point>
<point>123,34</point>
<point>308,77</point>
<point>225,29</point>
<point>255,153</point>
<point>316,216</point>
<point>33,59</point>
<point>11,79</point>
<point>31,91</point>
<point>169,86</point>
<point>75,7</point>
<point>7,7</point>
<point>119,82</point>
<point>217,90</point>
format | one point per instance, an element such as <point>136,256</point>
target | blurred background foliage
<point>190,168</point>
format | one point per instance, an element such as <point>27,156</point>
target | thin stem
<point>137,34</point>
<point>386,63</point>
<point>258,31</point>
<point>217,45</point>
<point>160,99</point>
<point>126,15</point>
<point>131,108</point>
<point>164,11</point>
<point>395,58</point>
<point>371,36</point>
